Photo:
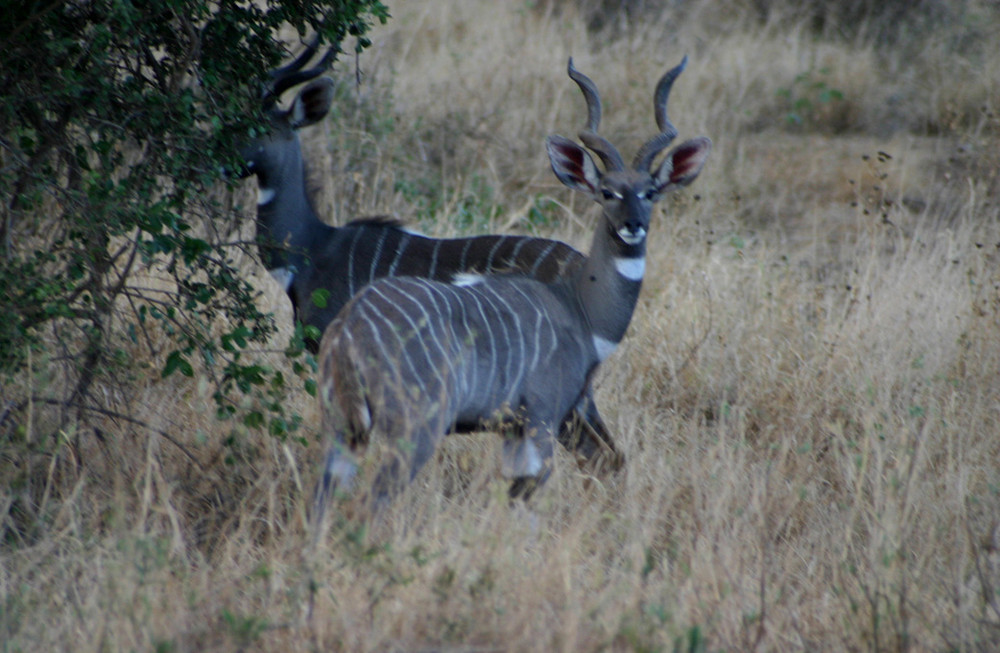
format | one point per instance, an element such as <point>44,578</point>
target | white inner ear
<point>298,113</point>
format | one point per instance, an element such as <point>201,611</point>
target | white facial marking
<point>284,277</point>
<point>463,279</point>
<point>632,237</point>
<point>604,347</point>
<point>632,268</point>
<point>264,196</point>
<point>298,113</point>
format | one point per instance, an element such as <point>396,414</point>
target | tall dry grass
<point>808,398</point>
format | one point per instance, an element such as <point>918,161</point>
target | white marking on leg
<point>342,470</point>
<point>520,458</point>
<point>632,268</point>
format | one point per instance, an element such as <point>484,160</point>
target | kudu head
<point>270,154</point>
<point>626,193</point>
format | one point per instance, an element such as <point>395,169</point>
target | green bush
<point>116,122</point>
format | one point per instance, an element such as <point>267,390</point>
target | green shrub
<point>116,122</point>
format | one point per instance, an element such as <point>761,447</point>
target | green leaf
<point>320,297</point>
<point>177,362</point>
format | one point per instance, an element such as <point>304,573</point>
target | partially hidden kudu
<point>306,255</point>
<point>407,358</point>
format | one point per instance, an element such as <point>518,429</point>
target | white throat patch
<point>632,268</point>
<point>284,277</point>
<point>265,196</point>
<point>604,347</point>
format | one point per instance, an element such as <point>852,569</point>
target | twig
<point>116,415</point>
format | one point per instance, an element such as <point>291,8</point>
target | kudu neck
<point>287,224</point>
<point>608,284</point>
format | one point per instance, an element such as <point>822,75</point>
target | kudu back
<point>407,358</point>
<point>306,255</point>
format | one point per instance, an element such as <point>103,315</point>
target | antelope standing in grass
<point>408,358</point>
<point>304,254</point>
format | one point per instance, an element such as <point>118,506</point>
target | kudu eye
<point>610,194</point>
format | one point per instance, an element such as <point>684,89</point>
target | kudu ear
<point>572,165</point>
<point>312,103</point>
<point>682,165</point>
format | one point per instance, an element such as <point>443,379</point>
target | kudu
<point>407,358</point>
<point>305,255</point>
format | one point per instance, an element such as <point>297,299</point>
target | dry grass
<point>809,396</point>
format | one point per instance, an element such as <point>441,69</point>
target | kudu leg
<point>527,460</point>
<point>585,435</point>
<point>339,470</point>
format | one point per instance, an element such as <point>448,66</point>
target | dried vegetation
<point>809,397</point>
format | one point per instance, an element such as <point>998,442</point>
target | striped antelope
<point>305,255</point>
<point>407,358</point>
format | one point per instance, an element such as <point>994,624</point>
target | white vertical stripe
<point>542,257</point>
<point>479,343</point>
<point>378,253</point>
<point>465,251</point>
<point>513,381</point>
<point>390,326</point>
<point>536,349</point>
<point>434,259</point>
<point>487,293</point>
<point>493,252</point>
<point>401,246</point>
